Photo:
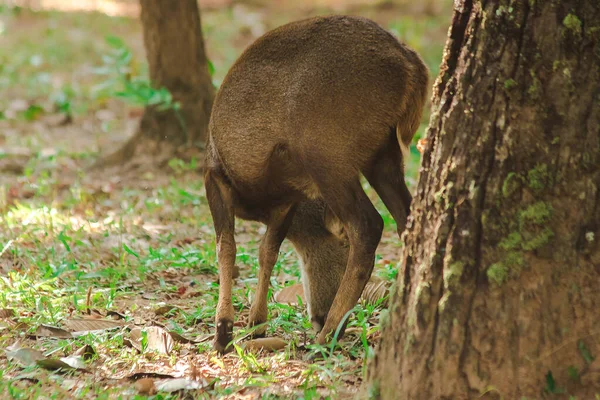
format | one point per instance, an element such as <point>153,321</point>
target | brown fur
<point>301,114</point>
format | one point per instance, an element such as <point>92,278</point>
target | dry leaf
<point>84,326</point>
<point>30,376</point>
<point>7,313</point>
<point>164,309</point>
<point>94,314</point>
<point>141,374</point>
<point>290,294</point>
<point>51,331</point>
<point>180,338</point>
<point>24,356</point>
<point>53,364</point>
<point>27,357</point>
<point>145,386</point>
<point>269,344</point>
<point>20,327</point>
<point>64,363</point>
<point>4,325</point>
<point>174,385</point>
<point>115,314</point>
<point>87,352</point>
<point>157,339</point>
<point>374,292</point>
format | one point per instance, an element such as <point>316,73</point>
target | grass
<point>73,245</point>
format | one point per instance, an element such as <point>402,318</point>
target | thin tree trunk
<point>499,291</point>
<point>177,61</point>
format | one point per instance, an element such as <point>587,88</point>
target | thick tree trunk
<point>177,61</point>
<point>499,292</point>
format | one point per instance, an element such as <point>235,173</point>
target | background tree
<point>499,289</point>
<point>177,61</point>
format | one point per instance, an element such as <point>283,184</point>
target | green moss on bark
<point>573,24</point>
<point>452,273</point>
<point>511,184</point>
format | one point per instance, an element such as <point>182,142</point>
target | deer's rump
<point>337,86</point>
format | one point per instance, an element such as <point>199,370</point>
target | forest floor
<point>90,261</point>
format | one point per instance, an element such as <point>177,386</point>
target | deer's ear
<point>334,225</point>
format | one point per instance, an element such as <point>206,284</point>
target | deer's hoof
<point>258,334</point>
<point>322,338</point>
<point>260,328</point>
<point>223,336</point>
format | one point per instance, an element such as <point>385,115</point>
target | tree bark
<point>177,61</point>
<point>499,288</point>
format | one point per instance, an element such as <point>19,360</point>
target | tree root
<point>140,152</point>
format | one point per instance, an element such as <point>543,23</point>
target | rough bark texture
<point>499,290</point>
<point>177,61</point>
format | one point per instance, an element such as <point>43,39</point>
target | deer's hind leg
<point>386,176</point>
<point>277,228</point>
<point>220,200</point>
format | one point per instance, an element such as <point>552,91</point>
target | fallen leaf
<point>94,314</point>
<point>290,294</point>
<point>141,374</point>
<point>5,325</point>
<point>184,241</point>
<point>192,293</point>
<point>157,339</point>
<point>7,313</point>
<point>115,314</point>
<point>374,292</point>
<point>64,363</point>
<point>20,327</point>
<point>51,331</point>
<point>174,385</point>
<point>24,356</point>
<point>84,326</point>
<point>165,309</point>
<point>87,352</point>
<point>181,339</point>
<point>74,361</point>
<point>269,344</point>
<point>29,376</point>
<point>48,152</point>
<point>53,364</point>
<point>27,357</point>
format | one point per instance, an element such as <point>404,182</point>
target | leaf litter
<point>27,357</point>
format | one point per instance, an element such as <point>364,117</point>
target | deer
<point>303,113</point>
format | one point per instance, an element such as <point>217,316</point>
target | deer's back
<point>327,85</point>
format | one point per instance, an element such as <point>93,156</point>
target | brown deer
<point>303,112</point>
